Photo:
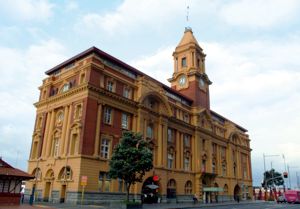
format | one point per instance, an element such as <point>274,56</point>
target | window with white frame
<point>104,150</point>
<point>107,115</point>
<point>187,140</point>
<point>224,170</point>
<point>65,87</point>
<point>104,182</point>
<point>170,135</point>
<point>125,120</point>
<point>126,92</point>
<point>150,131</point>
<point>170,158</point>
<point>110,86</point>
<point>187,162</point>
<point>55,147</point>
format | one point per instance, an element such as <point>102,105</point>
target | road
<point>263,205</point>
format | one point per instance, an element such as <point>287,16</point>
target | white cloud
<point>259,13</point>
<point>156,65</point>
<point>27,9</point>
<point>133,15</point>
<point>22,72</point>
<point>71,6</point>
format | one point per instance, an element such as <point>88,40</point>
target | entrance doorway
<point>47,191</point>
<point>237,191</point>
<point>171,189</point>
<point>63,193</point>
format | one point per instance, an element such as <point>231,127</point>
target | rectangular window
<point>110,86</point>
<point>150,131</point>
<point>186,117</point>
<point>55,147</point>
<point>187,140</point>
<point>107,183</point>
<point>107,115</point>
<point>170,160</point>
<point>104,151</point>
<point>120,185</point>
<point>183,62</point>
<point>170,135</point>
<point>203,144</point>
<point>104,182</point>
<point>187,163</point>
<point>125,121</point>
<point>126,92</point>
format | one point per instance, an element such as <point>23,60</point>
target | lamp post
<point>35,183</point>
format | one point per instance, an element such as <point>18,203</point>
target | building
<point>11,183</point>
<point>86,102</point>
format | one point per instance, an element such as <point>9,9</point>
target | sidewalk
<point>145,206</point>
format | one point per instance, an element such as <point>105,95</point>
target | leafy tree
<point>131,159</point>
<point>272,177</point>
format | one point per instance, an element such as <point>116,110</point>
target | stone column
<point>50,135</point>
<point>64,130</point>
<point>67,134</point>
<point>98,127</point>
<point>160,146</point>
<point>45,140</point>
<point>177,156</point>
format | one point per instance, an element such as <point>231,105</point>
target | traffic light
<point>285,174</point>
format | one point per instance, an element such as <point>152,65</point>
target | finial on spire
<point>187,15</point>
<point>187,28</point>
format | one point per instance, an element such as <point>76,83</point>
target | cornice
<point>61,96</point>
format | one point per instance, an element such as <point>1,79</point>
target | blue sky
<point>252,49</point>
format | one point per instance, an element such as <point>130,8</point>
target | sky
<point>253,60</point>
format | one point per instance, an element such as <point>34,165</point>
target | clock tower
<point>189,77</point>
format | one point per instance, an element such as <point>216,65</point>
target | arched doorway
<point>49,177</point>
<point>171,189</point>
<point>151,190</point>
<point>64,176</point>
<point>237,192</point>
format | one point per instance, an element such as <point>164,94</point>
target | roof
<point>225,119</point>
<point>188,38</point>
<point>115,60</point>
<point>9,171</point>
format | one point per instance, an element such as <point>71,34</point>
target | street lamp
<point>35,183</point>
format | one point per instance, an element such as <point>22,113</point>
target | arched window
<point>65,173</point>
<point>225,189</point>
<point>37,174</point>
<point>188,189</point>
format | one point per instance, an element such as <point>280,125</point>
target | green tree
<point>131,159</point>
<point>272,177</point>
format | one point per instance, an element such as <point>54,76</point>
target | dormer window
<point>183,62</point>
<point>65,87</point>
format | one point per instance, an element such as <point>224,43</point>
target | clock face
<point>201,82</point>
<point>182,80</point>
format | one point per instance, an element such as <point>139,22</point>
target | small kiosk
<point>10,183</point>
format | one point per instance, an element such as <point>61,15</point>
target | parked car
<point>281,199</point>
<point>292,196</point>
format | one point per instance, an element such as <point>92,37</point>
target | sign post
<point>83,184</point>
